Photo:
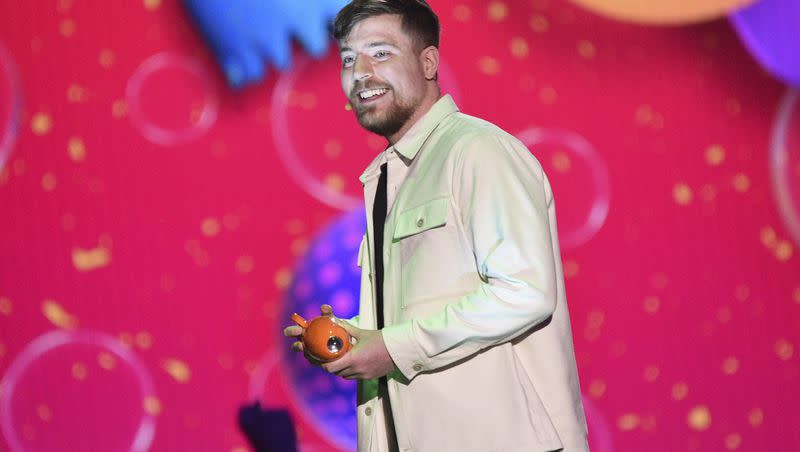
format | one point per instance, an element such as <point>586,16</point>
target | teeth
<point>372,93</point>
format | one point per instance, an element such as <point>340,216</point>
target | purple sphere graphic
<point>328,273</point>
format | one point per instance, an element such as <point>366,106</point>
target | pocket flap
<point>430,215</point>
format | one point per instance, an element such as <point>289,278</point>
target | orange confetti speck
<point>462,13</point>
<point>724,314</point>
<point>742,292</point>
<point>784,349</point>
<point>151,5</point>
<point>152,405</point>
<point>44,412</point>
<point>708,192</point>
<point>250,367</point>
<point>652,304</point>
<point>741,182</point>
<point>240,449</point>
<point>519,47</point>
<point>126,339</point>
<point>299,246</point>
<point>586,49</point>
<point>548,95</point>
<point>539,23</point>
<point>755,417</point>
<point>144,340</point>
<point>628,422</point>
<point>106,58</point>
<point>79,371</point>
<point>699,418</point>
<point>651,373</point>
<point>730,366</point>
<point>177,369</point>
<point>768,237</point>
<point>67,27</point>
<point>332,149</point>
<point>784,250</point>
<point>489,65</point>
<point>796,295</point>
<point>6,307</point>
<point>86,260</point>
<point>348,106</point>
<point>64,5</point>
<point>682,194</point>
<point>119,109</point>
<point>2,350</point>
<point>597,388</point>
<point>595,319</point>
<point>659,280</point>
<point>733,441</point>
<point>498,11</point>
<point>49,182</point>
<point>41,123</point>
<point>571,269</point>
<point>715,155</point>
<point>210,227</point>
<point>561,162</point>
<point>335,182</point>
<point>106,361</point>
<point>77,93</point>
<point>680,390</point>
<point>76,149</point>
<point>245,264</point>
<point>58,316</point>
<point>283,278</point>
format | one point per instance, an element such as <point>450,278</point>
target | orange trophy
<point>322,338</point>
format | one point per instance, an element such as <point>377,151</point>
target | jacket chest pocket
<point>423,244</point>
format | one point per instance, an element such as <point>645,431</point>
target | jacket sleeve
<point>502,197</point>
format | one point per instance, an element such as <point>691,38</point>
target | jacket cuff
<point>403,348</point>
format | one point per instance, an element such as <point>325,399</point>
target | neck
<point>431,96</point>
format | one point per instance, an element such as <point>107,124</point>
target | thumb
<point>350,328</point>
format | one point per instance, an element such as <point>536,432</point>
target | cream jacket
<point>476,317</point>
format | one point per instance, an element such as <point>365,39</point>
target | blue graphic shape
<point>244,33</point>
<point>328,273</point>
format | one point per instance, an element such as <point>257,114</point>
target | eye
<point>348,61</point>
<point>381,54</point>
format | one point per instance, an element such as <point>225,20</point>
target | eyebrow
<point>370,45</point>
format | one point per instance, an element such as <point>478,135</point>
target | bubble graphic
<point>785,162</point>
<point>10,105</point>
<point>299,101</point>
<point>62,381</point>
<point>319,395</point>
<point>579,178</point>
<point>172,99</point>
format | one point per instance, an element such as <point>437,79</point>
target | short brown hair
<point>419,20</point>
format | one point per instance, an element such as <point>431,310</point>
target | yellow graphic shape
<point>58,316</point>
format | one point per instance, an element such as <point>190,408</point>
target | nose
<point>362,69</point>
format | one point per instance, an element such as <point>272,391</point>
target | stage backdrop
<point>158,227</point>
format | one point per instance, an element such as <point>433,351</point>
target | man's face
<point>382,74</point>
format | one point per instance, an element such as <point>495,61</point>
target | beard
<point>388,122</point>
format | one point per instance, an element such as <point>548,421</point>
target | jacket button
<point>417,367</point>
<point>368,411</point>
<point>420,222</point>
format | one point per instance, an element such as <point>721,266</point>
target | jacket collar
<point>409,145</point>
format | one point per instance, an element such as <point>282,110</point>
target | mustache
<point>367,86</point>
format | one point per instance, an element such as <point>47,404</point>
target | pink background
<point>157,228</point>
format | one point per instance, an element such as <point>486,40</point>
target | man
<point>463,340</point>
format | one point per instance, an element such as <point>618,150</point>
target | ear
<point>430,62</point>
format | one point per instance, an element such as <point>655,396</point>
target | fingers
<point>298,346</point>
<point>292,331</point>
<point>326,309</point>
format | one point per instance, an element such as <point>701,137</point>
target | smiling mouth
<point>371,95</point>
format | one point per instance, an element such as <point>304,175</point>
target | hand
<point>244,34</point>
<point>297,331</point>
<point>368,358</point>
